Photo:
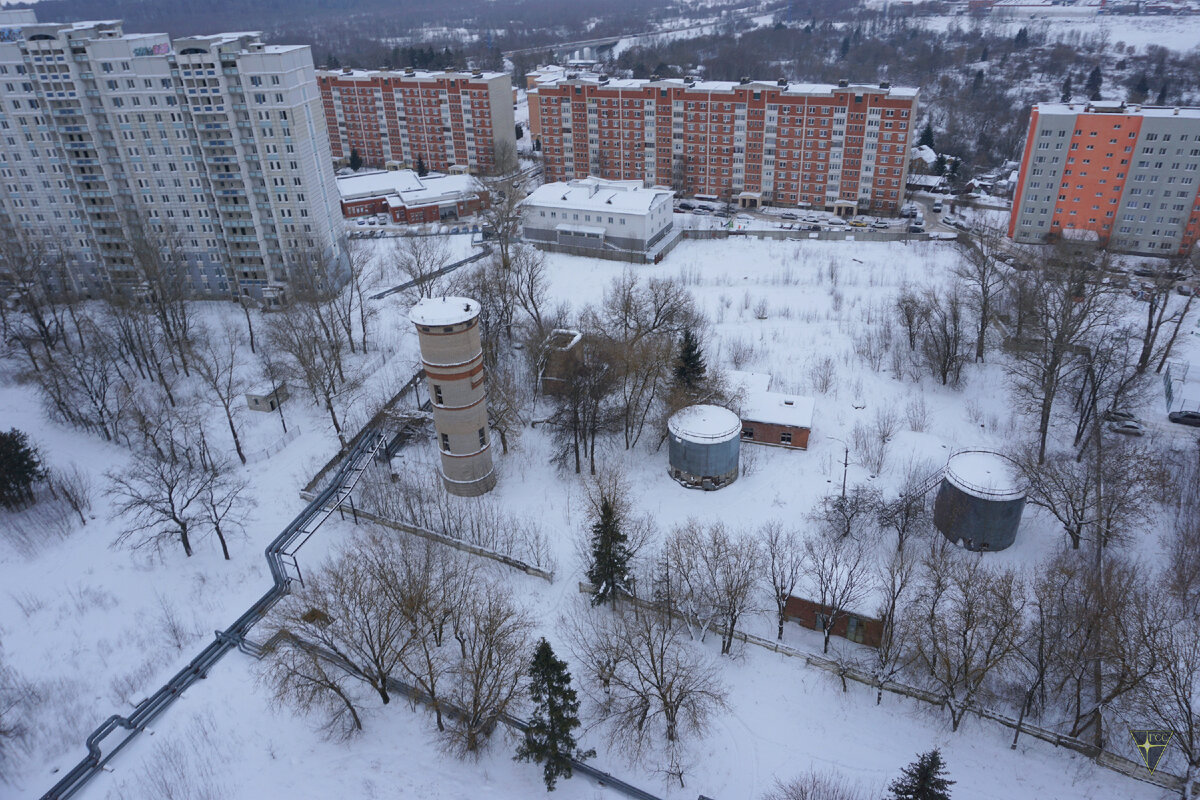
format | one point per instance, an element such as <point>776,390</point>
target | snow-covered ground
<point>1068,25</point>
<point>99,634</point>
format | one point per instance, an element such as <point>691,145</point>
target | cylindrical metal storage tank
<point>448,330</point>
<point>980,500</point>
<point>703,446</point>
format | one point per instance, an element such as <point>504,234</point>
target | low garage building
<point>409,198</point>
<point>783,420</point>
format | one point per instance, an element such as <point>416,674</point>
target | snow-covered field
<point>97,629</point>
<point>1173,32</point>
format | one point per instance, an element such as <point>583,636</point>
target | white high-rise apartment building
<point>212,149</point>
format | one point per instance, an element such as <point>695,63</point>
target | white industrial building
<point>600,217</point>
<point>209,149</point>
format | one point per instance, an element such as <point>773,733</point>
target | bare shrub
<point>817,786</point>
<point>740,352</point>
<point>887,423</point>
<point>822,375</point>
<point>761,309</point>
<point>917,414</point>
<point>870,347</point>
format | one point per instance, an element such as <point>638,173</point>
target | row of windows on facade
<point>784,438</point>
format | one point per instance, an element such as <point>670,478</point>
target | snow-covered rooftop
<point>443,311</point>
<point>410,188</point>
<point>705,424</point>
<point>778,409</point>
<point>749,382</point>
<point>405,74</point>
<point>551,79</point>
<point>597,194</point>
<point>1116,107</point>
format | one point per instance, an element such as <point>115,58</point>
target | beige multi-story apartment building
<point>1126,176</point>
<point>209,148</point>
<point>838,147</point>
<point>454,121</point>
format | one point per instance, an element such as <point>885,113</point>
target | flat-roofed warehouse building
<point>599,215</point>
<point>409,198</point>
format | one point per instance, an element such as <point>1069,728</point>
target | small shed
<point>850,626</point>
<point>560,358</point>
<point>265,399</point>
<point>773,418</point>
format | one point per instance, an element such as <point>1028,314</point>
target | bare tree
<point>341,613</point>
<point>851,516</point>
<point>969,623</point>
<point>943,329</point>
<point>216,363</point>
<point>158,497</point>
<point>835,571</point>
<point>493,633</point>
<point>504,214</point>
<point>783,557</point>
<point>894,580</point>
<point>908,515</point>
<point>1067,306</point>
<point>74,486</point>
<point>982,275</point>
<point>530,290</point>
<point>715,571</point>
<point>14,734</point>
<point>301,676</point>
<point>648,685</point>
<point>223,503</point>
<point>421,259</point>
<point>508,400</point>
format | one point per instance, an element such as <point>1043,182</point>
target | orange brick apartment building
<point>1125,176</point>
<point>447,120</point>
<point>842,148</point>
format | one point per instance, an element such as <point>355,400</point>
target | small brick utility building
<point>783,420</point>
<point>409,198</point>
<point>853,627</point>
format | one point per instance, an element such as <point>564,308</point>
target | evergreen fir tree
<point>20,468</point>
<point>1161,100</point>
<point>550,739</point>
<point>1021,40</point>
<point>1141,90</point>
<point>609,572</point>
<point>926,139</point>
<point>939,166</point>
<point>422,170</point>
<point>355,160</point>
<point>1094,81</point>
<point>689,365</point>
<point>1067,91</point>
<point>924,779</point>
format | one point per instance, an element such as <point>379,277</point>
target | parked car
<point>916,227</point>
<point>1185,418</point>
<point>360,221</point>
<point>1185,290</point>
<point>704,207</point>
<point>685,206</point>
<point>789,215</point>
<point>937,205</point>
<point>858,223</point>
<point>704,211</point>
<point>1127,428</point>
<point>909,210</point>
<point>1117,415</point>
<point>879,224</point>
<point>372,221</point>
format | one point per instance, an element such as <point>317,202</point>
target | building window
<point>747,433</point>
<point>482,437</point>
<point>437,394</point>
<point>446,442</point>
<point>785,437</point>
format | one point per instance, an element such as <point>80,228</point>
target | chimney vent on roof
<point>1177,111</point>
<point>843,83</point>
<point>884,85</point>
<point>781,83</point>
<point>745,79</point>
<point>690,80</point>
<point>477,73</point>
<point>347,70</point>
<point>409,71</point>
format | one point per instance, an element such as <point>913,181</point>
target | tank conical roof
<point>705,424</point>
<point>985,474</point>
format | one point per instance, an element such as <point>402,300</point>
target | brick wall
<point>769,433</point>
